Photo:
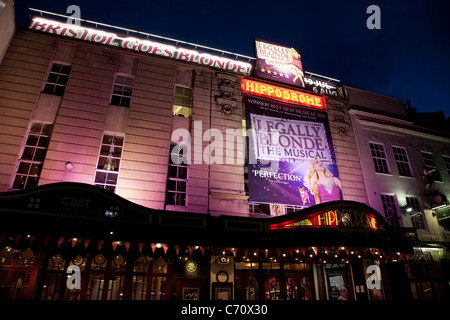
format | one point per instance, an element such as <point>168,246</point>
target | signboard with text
<point>278,63</point>
<point>320,86</point>
<point>332,218</point>
<point>291,158</point>
<point>271,91</point>
<point>139,45</point>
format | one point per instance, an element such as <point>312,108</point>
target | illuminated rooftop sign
<point>283,94</point>
<point>278,63</point>
<point>341,218</point>
<point>140,45</point>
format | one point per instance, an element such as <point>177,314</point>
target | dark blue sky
<point>407,58</point>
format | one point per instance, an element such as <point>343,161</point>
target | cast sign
<point>139,45</point>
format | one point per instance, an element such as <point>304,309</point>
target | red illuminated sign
<point>283,94</point>
<point>331,219</point>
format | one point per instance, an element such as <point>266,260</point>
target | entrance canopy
<point>82,210</point>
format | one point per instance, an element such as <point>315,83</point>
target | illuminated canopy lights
<point>332,219</point>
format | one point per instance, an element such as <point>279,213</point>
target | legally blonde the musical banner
<point>291,158</point>
<point>278,63</point>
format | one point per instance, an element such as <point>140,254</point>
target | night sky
<point>408,58</point>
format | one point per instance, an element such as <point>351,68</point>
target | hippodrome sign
<point>267,90</point>
<point>139,45</point>
<point>341,218</point>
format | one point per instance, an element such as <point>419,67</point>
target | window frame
<point>114,158</point>
<point>183,108</point>
<point>418,211</point>
<point>259,208</point>
<point>376,158</point>
<point>32,161</point>
<point>177,178</point>
<point>437,174</point>
<point>446,163</point>
<point>56,84</point>
<point>121,96</point>
<point>395,220</point>
<point>399,162</point>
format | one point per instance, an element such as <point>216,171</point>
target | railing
<point>145,34</point>
<point>170,40</point>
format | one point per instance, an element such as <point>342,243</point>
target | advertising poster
<point>338,286</point>
<point>291,158</point>
<point>278,63</point>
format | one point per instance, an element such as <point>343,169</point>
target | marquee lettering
<point>283,94</point>
<point>332,219</point>
<point>140,45</point>
<point>75,202</point>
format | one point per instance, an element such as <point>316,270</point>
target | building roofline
<point>224,53</point>
<point>373,93</point>
<point>147,35</point>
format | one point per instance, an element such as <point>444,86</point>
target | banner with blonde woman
<point>291,157</point>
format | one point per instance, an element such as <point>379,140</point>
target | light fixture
<point>227,82</point>
<point>226,108</point>
<point>69,166</point>
<point>227,95</point>
<point>428,248</point>
<point>407,208</point>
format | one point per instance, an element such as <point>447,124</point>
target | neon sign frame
<point>333,218</point>
<point>271,91</point>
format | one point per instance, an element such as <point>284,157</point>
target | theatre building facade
<point>138,168</point>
